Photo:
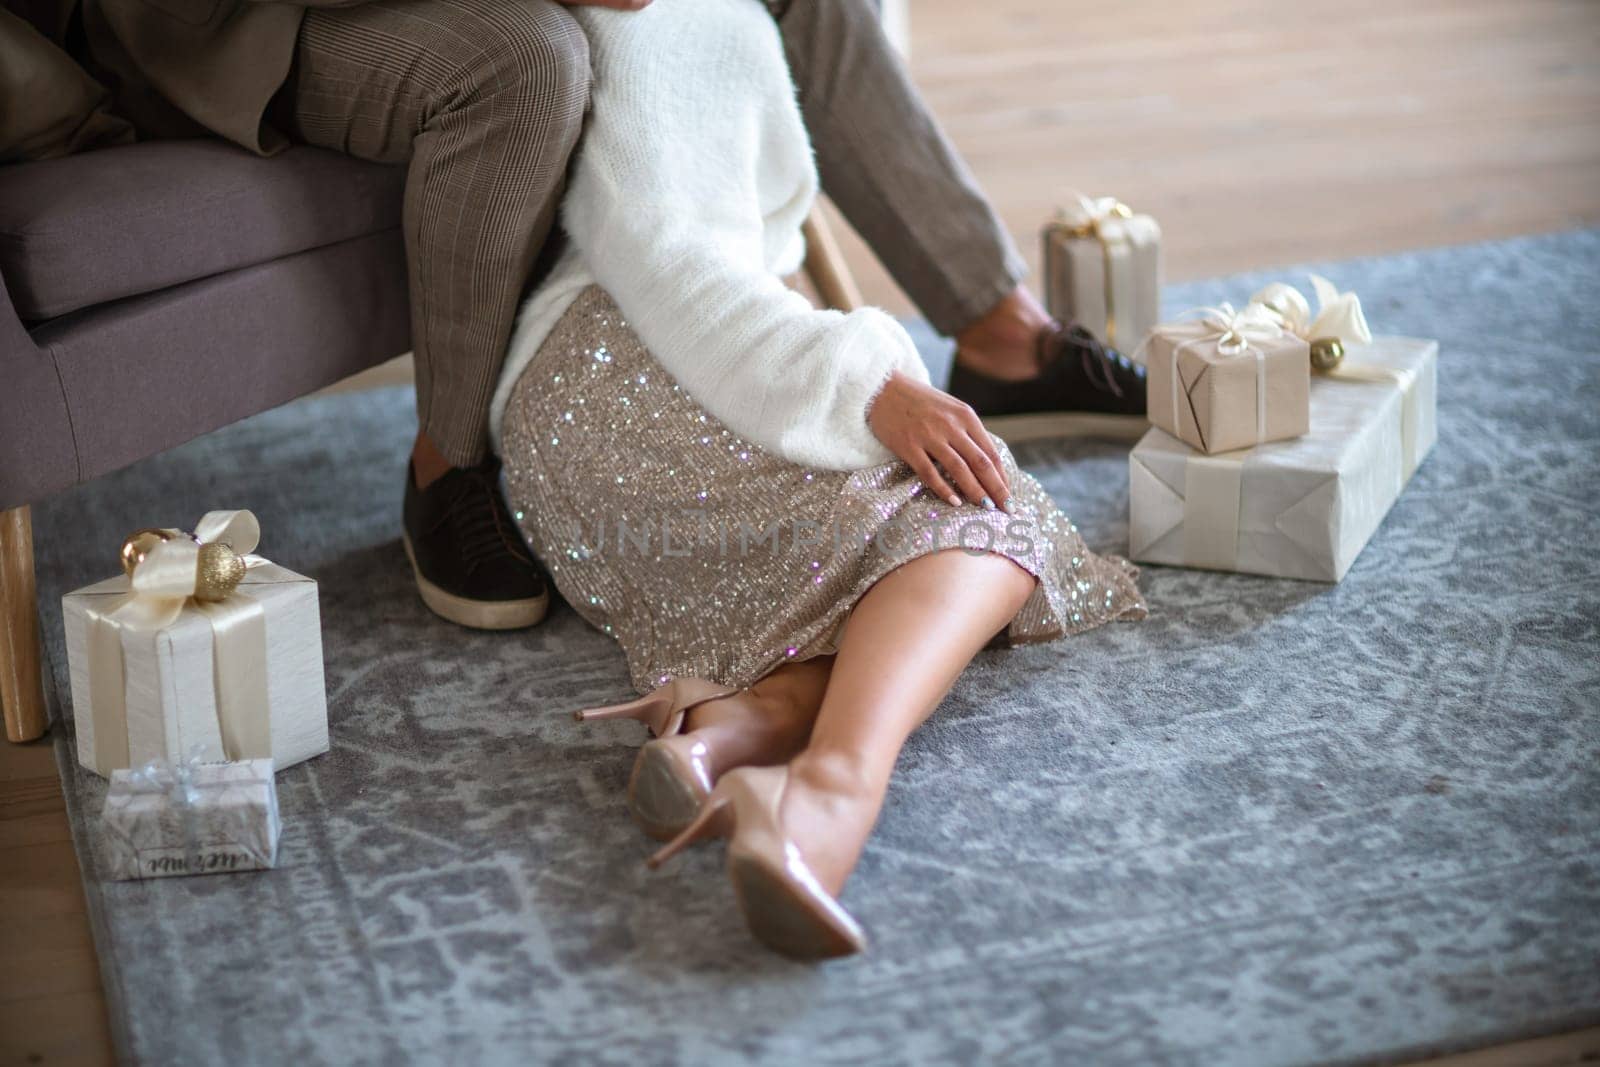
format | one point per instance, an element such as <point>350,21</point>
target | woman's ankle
<point>844,775</point>
<point>752,729</point>
<point>829,808</point>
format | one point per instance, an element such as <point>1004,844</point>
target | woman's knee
<point>537,54</point>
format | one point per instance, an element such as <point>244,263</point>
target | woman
<point>798,542</point>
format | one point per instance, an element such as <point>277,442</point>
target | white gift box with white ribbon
<point>158,675</point>
<point>194,817</point>
<point>1302,508</point>
<point>1102,269</point>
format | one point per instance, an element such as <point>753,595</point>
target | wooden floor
<point>1259,132</point>
<point>1270,132</point>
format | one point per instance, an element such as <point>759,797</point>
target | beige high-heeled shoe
<point>672,775</point>
<point>784,905</point>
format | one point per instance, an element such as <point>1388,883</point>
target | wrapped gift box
<point>1296,509</point>
<point>1102,270</point>
<point>240,679</point>
<point>222,817</point>
<point>1218,387</point>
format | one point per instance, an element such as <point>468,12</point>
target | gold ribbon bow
<point>170,572</point>
<point>1099,217</point>
<point>1083,216</point>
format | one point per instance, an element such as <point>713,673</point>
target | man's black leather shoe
<point>1077,374</point>
<point>469,558</point>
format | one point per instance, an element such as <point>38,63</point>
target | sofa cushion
<point>89,228</point>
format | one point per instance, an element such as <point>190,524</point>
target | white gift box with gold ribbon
<point>1102,269</point>
<point>1302,508</point>
<point>192,817</point>
<point>165,662</point>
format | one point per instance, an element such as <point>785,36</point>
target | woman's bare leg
<point>905,644</point>
<point>767,724</point>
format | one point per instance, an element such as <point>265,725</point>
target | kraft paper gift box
<point>159,672</point>
<point>1228,379</point>
<point>1102,270</point>
<point>191,818</point>
<point>1295,509</point>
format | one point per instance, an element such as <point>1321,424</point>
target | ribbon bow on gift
<point>1338,322</point>
<point>1233,334</point>
<point>1232,331</point>
<point>169,572</point>
<point>175,778</point>
<point>169,567</point>
<point>178,780</point>
<point>1083,216</point>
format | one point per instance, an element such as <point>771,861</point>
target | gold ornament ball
<point>1326,352</point>
<point>137,545</point>
<point>218,572</point>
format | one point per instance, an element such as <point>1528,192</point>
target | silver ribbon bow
<point>179,781</point>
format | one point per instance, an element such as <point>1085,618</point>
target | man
<point>483,101</point>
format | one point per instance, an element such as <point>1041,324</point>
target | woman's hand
<point>930,429</point>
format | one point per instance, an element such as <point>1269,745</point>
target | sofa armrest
<point>38,454</point>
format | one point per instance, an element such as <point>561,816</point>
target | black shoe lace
<point>481,524</point>
<point>1098,361</point>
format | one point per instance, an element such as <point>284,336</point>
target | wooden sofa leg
<point>21,677</point>
<point>825,264</point>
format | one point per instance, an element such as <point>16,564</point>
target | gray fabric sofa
<point>154,292</point>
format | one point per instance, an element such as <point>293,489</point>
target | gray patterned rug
<point>1277,823</point>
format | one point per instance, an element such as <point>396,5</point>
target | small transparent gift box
<point>190,817</point>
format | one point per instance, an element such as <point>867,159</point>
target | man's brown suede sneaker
<point>469,558</point>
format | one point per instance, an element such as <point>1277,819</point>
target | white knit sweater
<point>685,203</point>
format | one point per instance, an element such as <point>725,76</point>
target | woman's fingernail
<point>955,501</point>
<point>988,505</point>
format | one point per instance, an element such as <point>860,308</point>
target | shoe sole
<point>1040,426</point>
<point>661,801</point>
<point>784,920</point>
<point>477,614</point>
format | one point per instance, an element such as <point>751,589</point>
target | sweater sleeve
<point>686,144</point>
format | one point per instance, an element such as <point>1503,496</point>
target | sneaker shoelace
<point>1096,359</point>
<point>480,532</point>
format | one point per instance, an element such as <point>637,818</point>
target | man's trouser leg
<point>890,169</point>
<point>484,100</point>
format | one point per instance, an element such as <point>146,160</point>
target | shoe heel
<point>646,709</point>
<point>711,822</point>
<point>664,708</point>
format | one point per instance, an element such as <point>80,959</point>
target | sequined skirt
<point>706,556</point>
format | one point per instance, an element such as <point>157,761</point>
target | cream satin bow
<point>167,572</point>
<point>1231,330</point>
<point>1338,314</point>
